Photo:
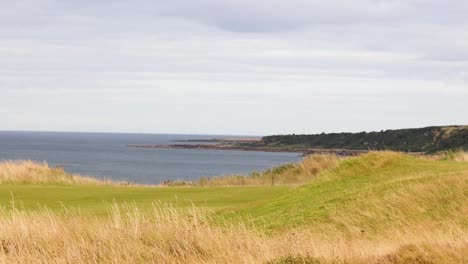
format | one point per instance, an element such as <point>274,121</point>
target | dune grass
<point>286,174</point>
<point>448,155</point>
<point>378,189</point>
<point>381,207</point>
<point>192,235</point>
<point>27,171</point>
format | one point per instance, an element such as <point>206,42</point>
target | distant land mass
<point>427,139</point>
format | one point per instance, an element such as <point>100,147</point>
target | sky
<point>246,67</point>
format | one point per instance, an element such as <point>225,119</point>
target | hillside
<point>380,207</point>
<point>416,207</point>
<point>428,139</point>
<point>372,192</point>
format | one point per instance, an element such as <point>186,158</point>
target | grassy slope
<point>371,192</point>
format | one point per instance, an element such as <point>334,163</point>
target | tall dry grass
<point>168,235</point>
<point>461,156</point>
<point>27,171</point>
<point>420,219</point>
<point>286,174</point>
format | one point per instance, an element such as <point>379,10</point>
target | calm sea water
<point>105,155</point>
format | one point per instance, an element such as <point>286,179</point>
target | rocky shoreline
<point>305,151</point>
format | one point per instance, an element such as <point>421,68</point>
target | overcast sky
<point>251,67</point>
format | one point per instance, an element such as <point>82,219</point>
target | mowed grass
<point>95,199</point>
<point>28,185</point>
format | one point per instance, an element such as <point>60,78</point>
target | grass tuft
<point>31,172</point>
<point>450,156</point>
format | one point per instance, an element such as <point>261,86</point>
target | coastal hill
<point>427,139</point>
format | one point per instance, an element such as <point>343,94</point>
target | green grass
<point>379,190</point>
<point>370,192</point>
<point>95,199</point>
<point>381,207</point>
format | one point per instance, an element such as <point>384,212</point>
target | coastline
<point>232,147</point>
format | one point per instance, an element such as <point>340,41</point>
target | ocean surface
<point>106,155</point>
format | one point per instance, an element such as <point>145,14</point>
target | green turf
<point>370,188</point>
<point>376,189</point>
<point>96,199</point>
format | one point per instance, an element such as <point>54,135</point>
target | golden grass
<point>399,214</point>
<point>27,171</point>
<point>286,174</point>
<point>41,173</point>
<point>168,235</point>
<point>438,204</point>
<point>453,155</point>
<point>461,156</point>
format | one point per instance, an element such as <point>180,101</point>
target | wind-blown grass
<point>371,192</point>
<point>449,155</point>
<point>27,171</point>
<point>381,207</point>
<point>169,235</point>
<point>286,174</point>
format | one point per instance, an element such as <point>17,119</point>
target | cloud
<point>278,15</point>
<point>339,65</point>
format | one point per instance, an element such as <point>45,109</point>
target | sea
<point>107,156</point>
